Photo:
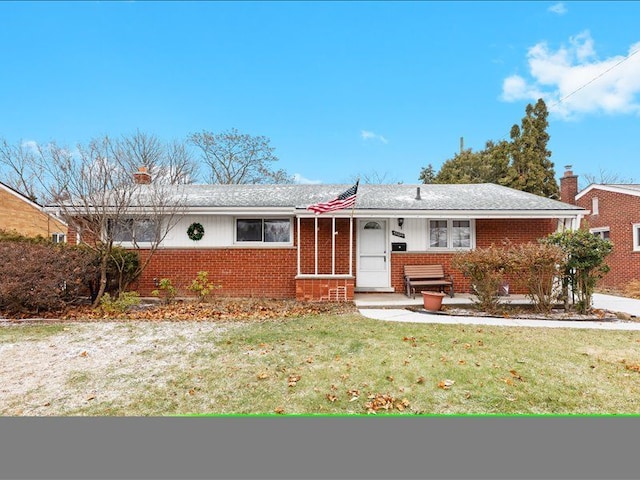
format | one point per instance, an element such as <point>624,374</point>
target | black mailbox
<point>398,246</point>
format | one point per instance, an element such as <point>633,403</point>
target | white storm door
<point>373,259</point>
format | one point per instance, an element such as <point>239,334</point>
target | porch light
<point>400,222</point>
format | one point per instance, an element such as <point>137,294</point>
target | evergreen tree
<point>427,174</point>
<point>531,169</point>
<point>522,163</point>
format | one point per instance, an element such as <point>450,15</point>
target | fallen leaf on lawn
<point>84,354</point>
<point>279,410</point>
<point>514,374</point>
<point>310,360</point>
<point>461,362</point>
<point>420,380</point>
<point>355,394</point>
<point>92,397</point>
<point>445,384</point>
<point>635,368</point>
<point>192,391</point>
<point>406,362</point>
<point>508,381</point>
<point>480,343</point>
<point>467,395</point>
<point>379,401</point>
<point>467,346</point>
<point>262,376</point>
<point>48,404</point>
<point>294,379</point>
<point>331,398</point>
<point>390,378</point>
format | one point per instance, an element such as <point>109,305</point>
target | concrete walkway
<point>605,302</point>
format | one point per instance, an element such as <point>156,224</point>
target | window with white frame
<point>58,237</point>
<point>603,232</point>
<point>636,237</point>
<point>143,230</point>
<point>595,206</point>
<point>450,234</point>
<point>263,230</point>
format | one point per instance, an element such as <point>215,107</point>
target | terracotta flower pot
<point>433,300</point>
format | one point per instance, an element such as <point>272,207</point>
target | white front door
<point>373,259</point>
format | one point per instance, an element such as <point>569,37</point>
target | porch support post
<point>315,243</point>
<point>351,246</point>
<point>333,245</point>
<point>298,246</point>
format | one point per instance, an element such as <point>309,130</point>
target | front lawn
<point>316,364</point>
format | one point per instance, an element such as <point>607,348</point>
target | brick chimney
<point>568,186</point>
<point>142,176</point>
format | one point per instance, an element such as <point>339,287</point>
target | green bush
<point>201,286</point>
<point>584,264</point>
<point>119,304</point>
<point>166,290</point>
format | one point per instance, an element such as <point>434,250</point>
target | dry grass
<point>632,289</point>
<point>315,364</point>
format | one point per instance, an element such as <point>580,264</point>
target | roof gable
<point>632,189</point>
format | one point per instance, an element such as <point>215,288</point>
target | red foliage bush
<point>42,276</point>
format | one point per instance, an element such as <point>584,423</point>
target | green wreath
<point>195,231</point>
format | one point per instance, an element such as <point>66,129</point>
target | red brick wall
<point>617,211</point>
<point>326,289</point>
<point>264,272</point>
<point>307,241</point>
<point>487,232</point>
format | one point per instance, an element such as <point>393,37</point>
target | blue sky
<point>340,88</point>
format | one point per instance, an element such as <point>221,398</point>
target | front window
<point>266,230</point>
<point>142,230</point>
<point>450,234</point>
<point>636,237</point>
<point>58,237</point>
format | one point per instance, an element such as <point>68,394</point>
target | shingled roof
<point>484,197</point>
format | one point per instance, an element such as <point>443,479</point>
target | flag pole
<point>353,208</point>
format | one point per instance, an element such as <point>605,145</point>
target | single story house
<point>20,214</point>
<point>262,240</point>
<point>613,214</point>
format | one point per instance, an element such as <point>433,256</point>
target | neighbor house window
<point>58,237</point>
<point>141,229</point>
<point>450,234</point>
<point>603,233</point>
<point>636,237</point>
<point>595,206</point>
<point>264,230</point>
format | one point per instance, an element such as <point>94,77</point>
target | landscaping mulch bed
<point>222,309</point>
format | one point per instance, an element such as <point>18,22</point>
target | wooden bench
<point>416,276</point>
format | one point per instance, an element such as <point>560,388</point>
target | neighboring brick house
<point>261,240</point>
<point>18,213</point>
<point>614,214</point>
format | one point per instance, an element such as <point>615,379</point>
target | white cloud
<point>297,178</point>
<point>558,8</point>
<point>367,135</point>
<point>31,145</point>
<point>574,82</point>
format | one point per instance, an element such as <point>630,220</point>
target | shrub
<point>123,267</point>
<point>486,268</point>
<point>165,289</point>
<point>119,304</point>
<point>201,286</point>
<point>583,264</point>
<point>539,267</point>
<point>39,276</point>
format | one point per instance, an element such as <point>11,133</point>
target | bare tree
<point>170,163</point>
<point>373,177</point>
<point>236,158</point>
<point>17,166</point>
<point>97,195</point>
<point>605,177</point>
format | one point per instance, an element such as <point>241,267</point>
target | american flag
<point>345,200</point>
